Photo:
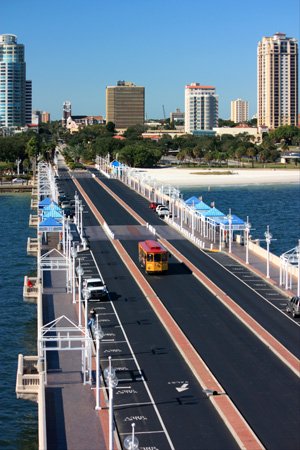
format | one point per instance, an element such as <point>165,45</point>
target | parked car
<point>18,181</point>
<point>159,205</point>
<point>69,212</point>
<point>96,287</point>
<point>163,211</point>
<point>293,306</point>
<point>153,205</point>
<point>65,204</point>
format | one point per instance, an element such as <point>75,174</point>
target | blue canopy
<point>55,214</point>
<point>234,221</point>
<point>201,206</point>
<point>115,163</point>
<point>53,206</point>
<point>192,201</point>
<point>45,202</point>
<point>213,212</point>
<point>49,224</point>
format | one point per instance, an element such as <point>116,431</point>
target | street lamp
<point>247,228</point>
<point>268,237</point>
<point>112,381</point>
<point>74,254</point>
<point>229,217</point>
<point>99,334</point>
<point>131,442</point>
<point>76,198</point>
<point>70,239</point>
<point>86,296</point>
<point>80,218</point>
<point>80,273</point>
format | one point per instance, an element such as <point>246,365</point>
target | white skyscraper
<point>201,108</point>
<point>277,81</point>
<point>239,111</point>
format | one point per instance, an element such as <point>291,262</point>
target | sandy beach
<point>229,177</point>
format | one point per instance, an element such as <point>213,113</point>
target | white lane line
<point>252,289</point>
<point>116,406</point>
<point>139,369</point>
<point>142,432</point>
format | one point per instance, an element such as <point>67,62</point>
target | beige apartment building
<point>277,81</point>
<point>125,104</point>
<point>239,111</point>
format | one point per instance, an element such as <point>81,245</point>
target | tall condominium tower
<point>12,82</point>
<point>277,83</point>
<point>239,111</point>
<point>201,108</point>
<point>67,112</point>
<point>125,104</point>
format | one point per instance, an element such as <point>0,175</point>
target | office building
<point>239,111</point>
<point>125,104</point>
<point>45,117</point>
<point>177,117</point>
<point>201,108</point>
<point>12,82</point>
<point>277,81</point>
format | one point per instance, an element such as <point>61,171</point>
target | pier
<point>90,393</point>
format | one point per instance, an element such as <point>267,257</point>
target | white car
<point>162,212</point>
<point>160,205</point>
<point>18,181</point>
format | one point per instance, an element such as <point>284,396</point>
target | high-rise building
<point>277,81</point>
<point>28,102</point>
<point>67,112</point>
<point>239,111</point>
<point>125,104</point>
<point>201,108</point>
<point>12,82</point>
<point>177,117</point>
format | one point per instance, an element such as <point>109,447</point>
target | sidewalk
<point>72,422</point>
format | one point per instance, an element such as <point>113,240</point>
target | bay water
<point>275,205</point>
<point>18,418</point>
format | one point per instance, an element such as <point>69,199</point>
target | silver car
<point>293,306</point>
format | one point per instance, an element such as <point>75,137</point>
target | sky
<point>75,48</point>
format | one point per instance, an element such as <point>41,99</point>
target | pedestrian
<point>92,317</point>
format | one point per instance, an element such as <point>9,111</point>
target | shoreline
<point>237,177</point>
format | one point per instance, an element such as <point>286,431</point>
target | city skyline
<point>73,54</point>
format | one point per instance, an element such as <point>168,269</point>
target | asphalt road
<point>279,325</point>
<point>188,415</point>
<point>262,387</point>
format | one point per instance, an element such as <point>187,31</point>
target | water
<point>18,418</point>
<point>275,205</point>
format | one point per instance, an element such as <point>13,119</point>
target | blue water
<point>18,418</point>
<point>275,205</point>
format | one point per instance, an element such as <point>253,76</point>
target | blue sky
<point>75,48</point>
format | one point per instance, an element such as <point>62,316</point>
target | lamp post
<point>112,381</point>
<point>73,254</point>
<point>268,237</point>
<point>247,228</point>
<point>80,273</point>
<point>80,219</point>
<point>131,442</point>
<point>99,334</point>
<point>70,239</point>
<point>229,217</point>
<point>76,198</point>
<point>86,296</point>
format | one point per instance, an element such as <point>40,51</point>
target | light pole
<point>131,442</point>
<point>80,219</point>
<point>74,254</point>
<point>247,228</point>
<point>112,381</point>
<point>229,217</point>
<point>76,198</point>
<point>268,237</point>
<point>80,273</point>
<point>86,296</point>
<point>70,239</point>
<point>99,334</point>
